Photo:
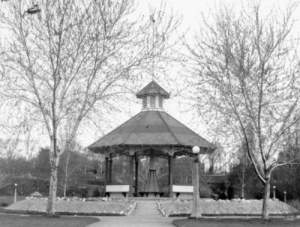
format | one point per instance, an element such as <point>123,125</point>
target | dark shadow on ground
<point>8,220</point>
<point>235,222</point>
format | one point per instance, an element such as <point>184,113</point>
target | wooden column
<point>106,170</point>
<point>136,174</point>
<point>131,157</point>
<point>170,176</point>
<point>110,169</point>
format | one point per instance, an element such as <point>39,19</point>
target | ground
<point>225,207</point>
<point>8,200</point>
<point>145,214</point>
<point>234,222</point>
<point>75,205</point>
<point>8,220</point>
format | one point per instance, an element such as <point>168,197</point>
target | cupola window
<point>152,101</point>
<point>160,101</point>
<point>153,97</point>
<point>144,102</point>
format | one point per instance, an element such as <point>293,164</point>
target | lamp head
<point>196,149</point>
<point>16,184</point>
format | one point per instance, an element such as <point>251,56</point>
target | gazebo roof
<point>151,128</point>
<point>153,89</point>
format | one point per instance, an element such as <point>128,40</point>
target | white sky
<point>191,11</point>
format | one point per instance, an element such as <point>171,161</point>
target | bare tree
<point>4,179</point>
<point>246,76</point>
<point>68,58</point>
<point>217,163</point>
<point>97,161</point>
<point>69,165</point>
<point>29,141</point>
<point>9,146</point>
<point>183,170</point>
<point>12,125</point>
<point>242,173</point>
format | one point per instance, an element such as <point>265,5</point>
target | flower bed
<point>210,207</point>
<point>76,206</point>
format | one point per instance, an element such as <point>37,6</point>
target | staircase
<point>146,214</point>
<point>147,209</point>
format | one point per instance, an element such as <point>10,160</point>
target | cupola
<point>153,97</point>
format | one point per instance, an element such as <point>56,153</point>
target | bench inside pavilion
<point>151,133</point>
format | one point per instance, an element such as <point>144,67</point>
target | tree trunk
<point>243,181</point>
<point>52,190</point>
<point>265,211</point>
<point>54,160</point>
<point>66,174</point>
<point>243,191</point>
<point>65,189</point>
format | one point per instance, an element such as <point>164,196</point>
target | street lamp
<point>15,197</point>
<point>34,9</point>
<point>274,191</point>
<point>196,213</point>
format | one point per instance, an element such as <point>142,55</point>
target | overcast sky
<point>191,11</point>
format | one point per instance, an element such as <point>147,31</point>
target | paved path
<point>145,214</point>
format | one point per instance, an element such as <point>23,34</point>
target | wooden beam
<point>131,157</point>
<point>170,176</point>
<point>136,174</point>
<point>106,170</point>
<point>110,169</point>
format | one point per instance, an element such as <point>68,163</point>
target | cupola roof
<point>153,89</point>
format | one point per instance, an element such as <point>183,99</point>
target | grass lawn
<point>41,221</point>
<point>114,207</point>
<point>234,222</point>
<point>226,207</point>
<point>9,199</point>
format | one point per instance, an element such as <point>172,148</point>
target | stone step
<point>147,209</point>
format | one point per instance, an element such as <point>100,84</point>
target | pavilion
<point>151,133</point>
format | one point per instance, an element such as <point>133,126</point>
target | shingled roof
<point>153,89</point>
<point>151,128</point>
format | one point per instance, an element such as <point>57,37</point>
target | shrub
<point>4,204</point>
<point>295,204</point>
<point>96,193</point>
<point>205,192</point>
<point>83,192</point>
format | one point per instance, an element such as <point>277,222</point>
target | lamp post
<point>196,213</point>
<point>15,197</point>
<point>274,191</point>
